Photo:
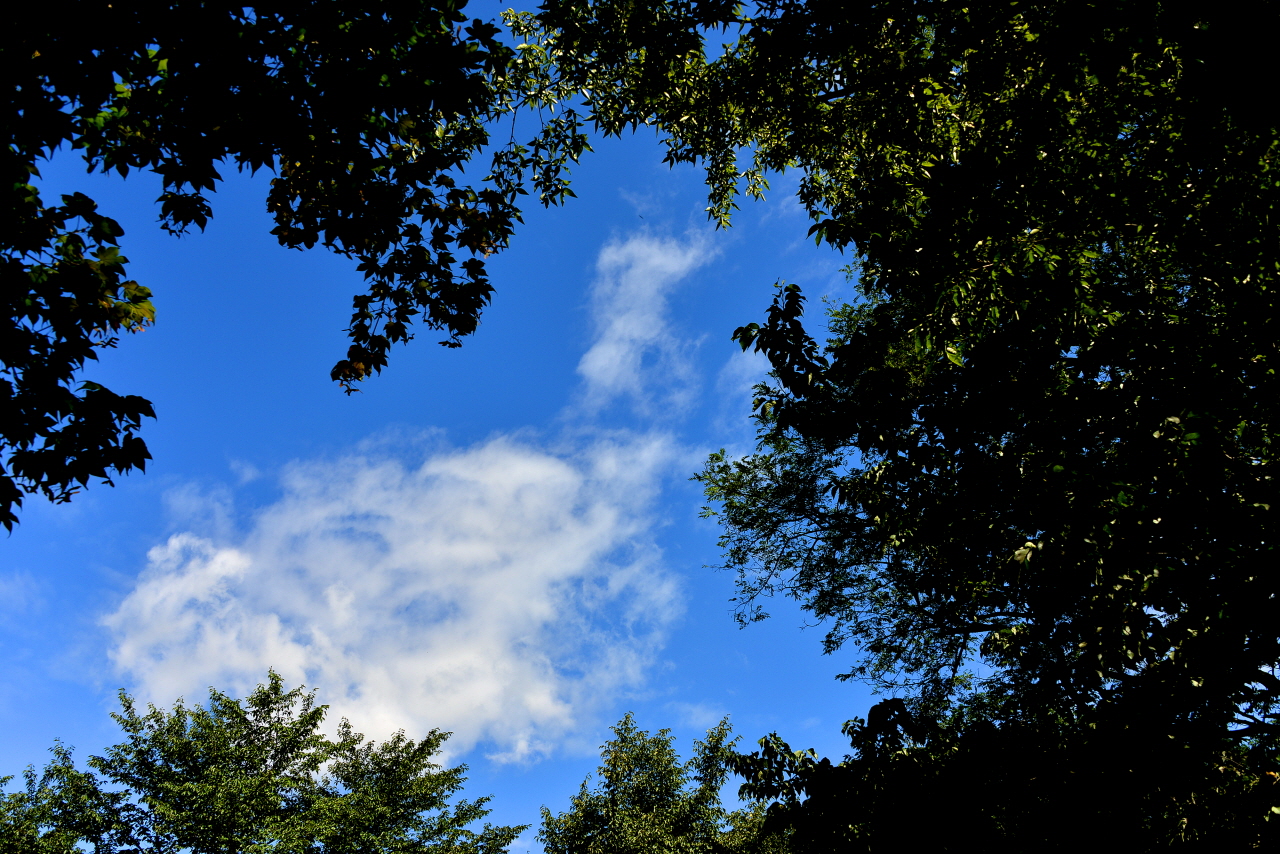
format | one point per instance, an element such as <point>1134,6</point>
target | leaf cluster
<point>1019,786</point>
<point>1031,473</point>
<point>646,800</point>
<point>252,775</point>
<point>67,297</point>
<point>366,114</point>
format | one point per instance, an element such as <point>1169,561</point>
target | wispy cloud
<point>635,355</point>
<point>506,592</point>
<point>19,593</point>
<point>697,715</point>
<point>497,592</point>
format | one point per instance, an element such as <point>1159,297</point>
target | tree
<point>1042,440</point>
<point>973,783</point>
<point>366,112</point>
<point>648,801</point>
<point>248,775</point>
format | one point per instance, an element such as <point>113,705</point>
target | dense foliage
<point>1030,474</point>
<point>646,800</point>
<point>365,112</point>
<point>250,775</point>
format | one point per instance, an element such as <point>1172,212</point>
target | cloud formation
<point>635,356</point>
<point>505,592</point>
<point>18,594</point>
<point>497,591</point>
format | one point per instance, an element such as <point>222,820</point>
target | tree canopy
<point>1029,473</point>
<point>250,775</point>
<point>365,113</point>
<point>646,800</point>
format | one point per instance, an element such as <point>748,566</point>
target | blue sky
<point>499,540</point>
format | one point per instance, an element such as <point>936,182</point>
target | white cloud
<point>501,592</point>
<point>505,592</point>
<point>245,472</point>
<point>698,715</point>
<point>18,594</point>
<point>210,509</point>
<point>635,355</point>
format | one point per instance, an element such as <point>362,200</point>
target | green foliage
<point>248,776</point>
<point>366,112</point>
<point>647,801</point>
<point>66,295</point>
<point>1030,476</point>
<point>1018,787</point>
<point>1049,432</point>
